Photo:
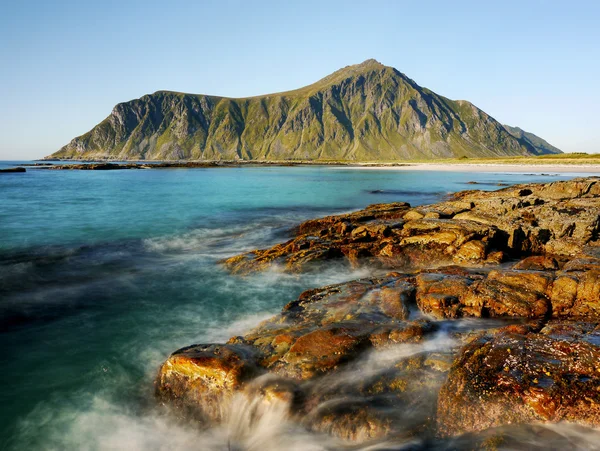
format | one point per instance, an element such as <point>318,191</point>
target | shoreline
<point>573,168</point>
<point>489,167</point>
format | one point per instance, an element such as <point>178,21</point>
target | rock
<point>202,378</point>
<point>12,170</point>
<point>412,215</point>
<point>323,350</point>
<point>439,294</point>
<point>537,263</point>
<point>471,251</point>
<point>501,294</point>
<point>394,300</point>
<point>582,264</point>
<point>530,437</point>
<point>576,295</point>
<point>355,421</point>
<point>96,166</point>
<point>559,221</point>
<point>524,378</point>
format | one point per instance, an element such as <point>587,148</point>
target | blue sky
<point>65,64</point>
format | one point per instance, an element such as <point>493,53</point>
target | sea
<point>103,274</point>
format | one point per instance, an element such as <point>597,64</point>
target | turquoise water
<point>104,273</point>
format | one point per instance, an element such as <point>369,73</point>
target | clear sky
<point>65,64</point>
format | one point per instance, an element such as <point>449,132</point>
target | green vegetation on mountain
<point>365,112</point>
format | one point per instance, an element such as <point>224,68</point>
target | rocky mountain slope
<point>543,146</point>
<point>365,112</point>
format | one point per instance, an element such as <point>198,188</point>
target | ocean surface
<point>104,273</point>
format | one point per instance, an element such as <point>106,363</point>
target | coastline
<point>574,166</point>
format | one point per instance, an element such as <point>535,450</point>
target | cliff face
<point>363,112</point>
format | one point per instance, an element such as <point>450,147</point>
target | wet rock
<point>558,220</point>
<point>352,420</point>
<point>530,437</point>
<point>323,350</point>
<point>201,379</point>
<point>502,293</point>
<point>439,294</point>
<point>512,378</point>
<point>582,264</point>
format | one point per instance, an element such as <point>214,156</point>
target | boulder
<point>201,379</point>
<point>514,378</point>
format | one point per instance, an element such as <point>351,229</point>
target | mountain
<point>365,112</point>
<point>543,147</point>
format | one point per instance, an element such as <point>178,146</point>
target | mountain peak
<point>370,62</point>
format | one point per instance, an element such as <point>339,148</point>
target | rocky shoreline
<point>108,165</point>
<point>483,313</point>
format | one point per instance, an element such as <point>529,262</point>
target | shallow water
<point>104,273</point>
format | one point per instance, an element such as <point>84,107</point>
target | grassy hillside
<point>365,112</point>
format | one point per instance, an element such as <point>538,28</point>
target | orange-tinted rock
<point>513,378</point>
<point>500,294</point>
<point>478,227</point>
<point>201,378</point>
<point>537,263</point>
<point>494,298</point>
<point>471,251</point>
<point>582,264</point>
<point>439,294</point>
<point>405,332</point>
<point>351,359</point>
<point>351,420</point>
<point>394,300</point>
<point>412,215</point>
<point>323,349</point>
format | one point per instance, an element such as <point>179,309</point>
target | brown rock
<point>439,294</point>
<point>537,263</point>
<point>471,251</point>
<point>323,350</point>
<point>513,378</point>
<point>412,215</point>
<point>201,378</point>
<point>493,297</point>
<point>394,300</point>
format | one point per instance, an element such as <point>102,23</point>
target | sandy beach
<point>490,167</point>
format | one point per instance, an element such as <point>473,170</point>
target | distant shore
<point>590,164</point>
<point>490,167</point>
